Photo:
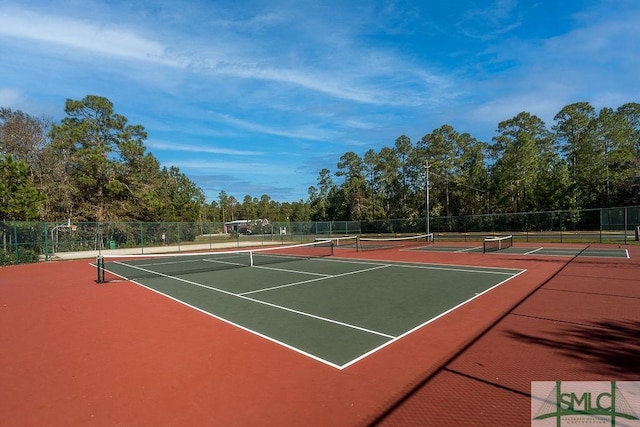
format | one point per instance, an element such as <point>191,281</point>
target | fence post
<point>626,224</point>
<point>141,238</point>
<point>178,236</point>
<point>46,242</point>
<point>601,224</point>
<point>15,242</point>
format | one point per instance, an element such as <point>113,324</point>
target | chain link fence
<point>25,242</point>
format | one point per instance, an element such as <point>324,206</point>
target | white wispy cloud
<point>306,133</point>
<point>615,38</point>
<point>252,89</point>
<point>341,69</point>
<point>490,20</point>
<point>595,61</point>
<point>255,168</point>
<point>90,36</point>
<point>172,146</point>
<point>9,96</point>
<point>326,84</point>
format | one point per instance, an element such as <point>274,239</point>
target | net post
<point>100,269</point>
<point>251,259</point>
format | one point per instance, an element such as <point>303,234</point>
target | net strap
<point>502,242</point>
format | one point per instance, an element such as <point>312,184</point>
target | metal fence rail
<point>23,242</point>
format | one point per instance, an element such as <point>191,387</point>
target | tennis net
<point>491,244</point>
<point>175,264</point>
<point>372,243</point>
<point>344,242</point>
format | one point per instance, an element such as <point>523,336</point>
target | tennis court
<point>580,252</point>
<point>336,311</point>
<point>364,332</point>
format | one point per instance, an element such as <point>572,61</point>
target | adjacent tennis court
<point>336,311</point>
<point>532,250</point>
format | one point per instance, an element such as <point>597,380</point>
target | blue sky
<point>256,97</point>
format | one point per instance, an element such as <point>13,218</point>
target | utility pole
<point>426,202</point>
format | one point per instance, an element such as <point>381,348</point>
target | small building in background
<point>240,226</point>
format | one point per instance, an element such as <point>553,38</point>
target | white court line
<point>309,273</point>
<point>229,322</point>
<point>217,261</point>
<point>445,267</point>
<point>391,338</point>
<point>357,359</point>
<point>463,270</point>
<point>533,251</point>
<point>312,280</point>
<point>182,261</point>
<point>302,313</point>
<point>467,249</point>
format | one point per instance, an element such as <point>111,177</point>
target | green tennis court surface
<point>336,311</point>
<point>517,250</point>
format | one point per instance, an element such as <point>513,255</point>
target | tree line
<point>93,166</point>
<point>587,159</point>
